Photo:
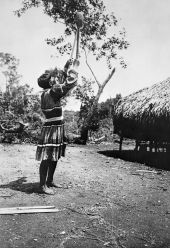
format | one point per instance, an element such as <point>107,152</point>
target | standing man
<point>52,144</point>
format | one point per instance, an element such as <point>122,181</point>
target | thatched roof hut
<point>145,114</point>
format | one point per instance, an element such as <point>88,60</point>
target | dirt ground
<point>107,200</point>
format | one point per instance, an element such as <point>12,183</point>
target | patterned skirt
<point>52,142</point>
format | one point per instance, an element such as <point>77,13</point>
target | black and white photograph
<point>84,124</point>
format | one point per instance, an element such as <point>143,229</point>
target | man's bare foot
<point>54,185</point>
<point>47,190</point>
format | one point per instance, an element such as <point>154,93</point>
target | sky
<point>146,23</point>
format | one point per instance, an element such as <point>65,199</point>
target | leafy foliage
<point>17,103</point>
<point>71,125</point>
<point>99,126</point>
<point>9,65</point>
<point>85,94</point>
<point>106,108</point>
<point>97,32</point>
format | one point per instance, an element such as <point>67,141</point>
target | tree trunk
<point>84,135</point>
<point>84,130</point>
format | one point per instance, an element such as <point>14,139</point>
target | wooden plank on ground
<point>27,210</point>
<point>27,207</point>
<point>148,171</point>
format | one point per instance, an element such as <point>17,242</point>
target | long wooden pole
<point>72,52</point>
<point>78,41</point>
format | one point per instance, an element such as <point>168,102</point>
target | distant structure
<point>145,117</point>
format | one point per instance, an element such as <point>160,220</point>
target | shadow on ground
<point>160,160</point>
<point>21,185</point>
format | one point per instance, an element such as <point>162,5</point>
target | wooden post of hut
<point>121,141</point>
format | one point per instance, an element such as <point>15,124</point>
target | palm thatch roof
<point>145,114</point>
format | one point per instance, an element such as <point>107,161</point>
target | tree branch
<point>101,87</point>
<point>91,69</point>
<point>109,77</point>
